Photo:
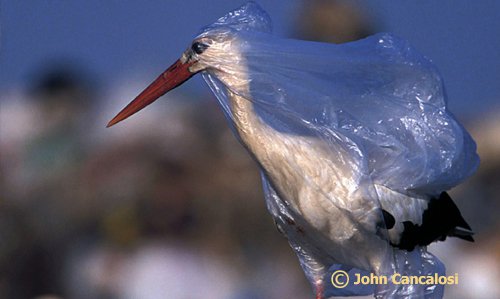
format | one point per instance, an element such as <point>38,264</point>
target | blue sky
<point>118,40</point>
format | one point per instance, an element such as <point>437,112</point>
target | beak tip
<point>112,122</point>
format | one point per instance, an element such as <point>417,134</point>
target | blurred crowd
<point>168,204</point>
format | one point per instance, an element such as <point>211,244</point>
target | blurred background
<point>168,204</point>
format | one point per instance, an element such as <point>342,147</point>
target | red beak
<point>174,76</point>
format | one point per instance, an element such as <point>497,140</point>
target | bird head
<point>217,49</point>
<point>198,57</point>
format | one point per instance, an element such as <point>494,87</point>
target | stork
<point>354,142</point>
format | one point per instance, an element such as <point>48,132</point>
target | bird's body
<point>347,184</point>
<point>317,198</point>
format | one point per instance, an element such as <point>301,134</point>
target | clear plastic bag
<point>341,133</point>
<point>332,122</point>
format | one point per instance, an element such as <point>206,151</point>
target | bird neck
<point>250,127</point>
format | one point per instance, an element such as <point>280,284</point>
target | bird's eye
<point>199,48</point>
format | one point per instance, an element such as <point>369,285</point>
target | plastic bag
<point>330,125</point>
